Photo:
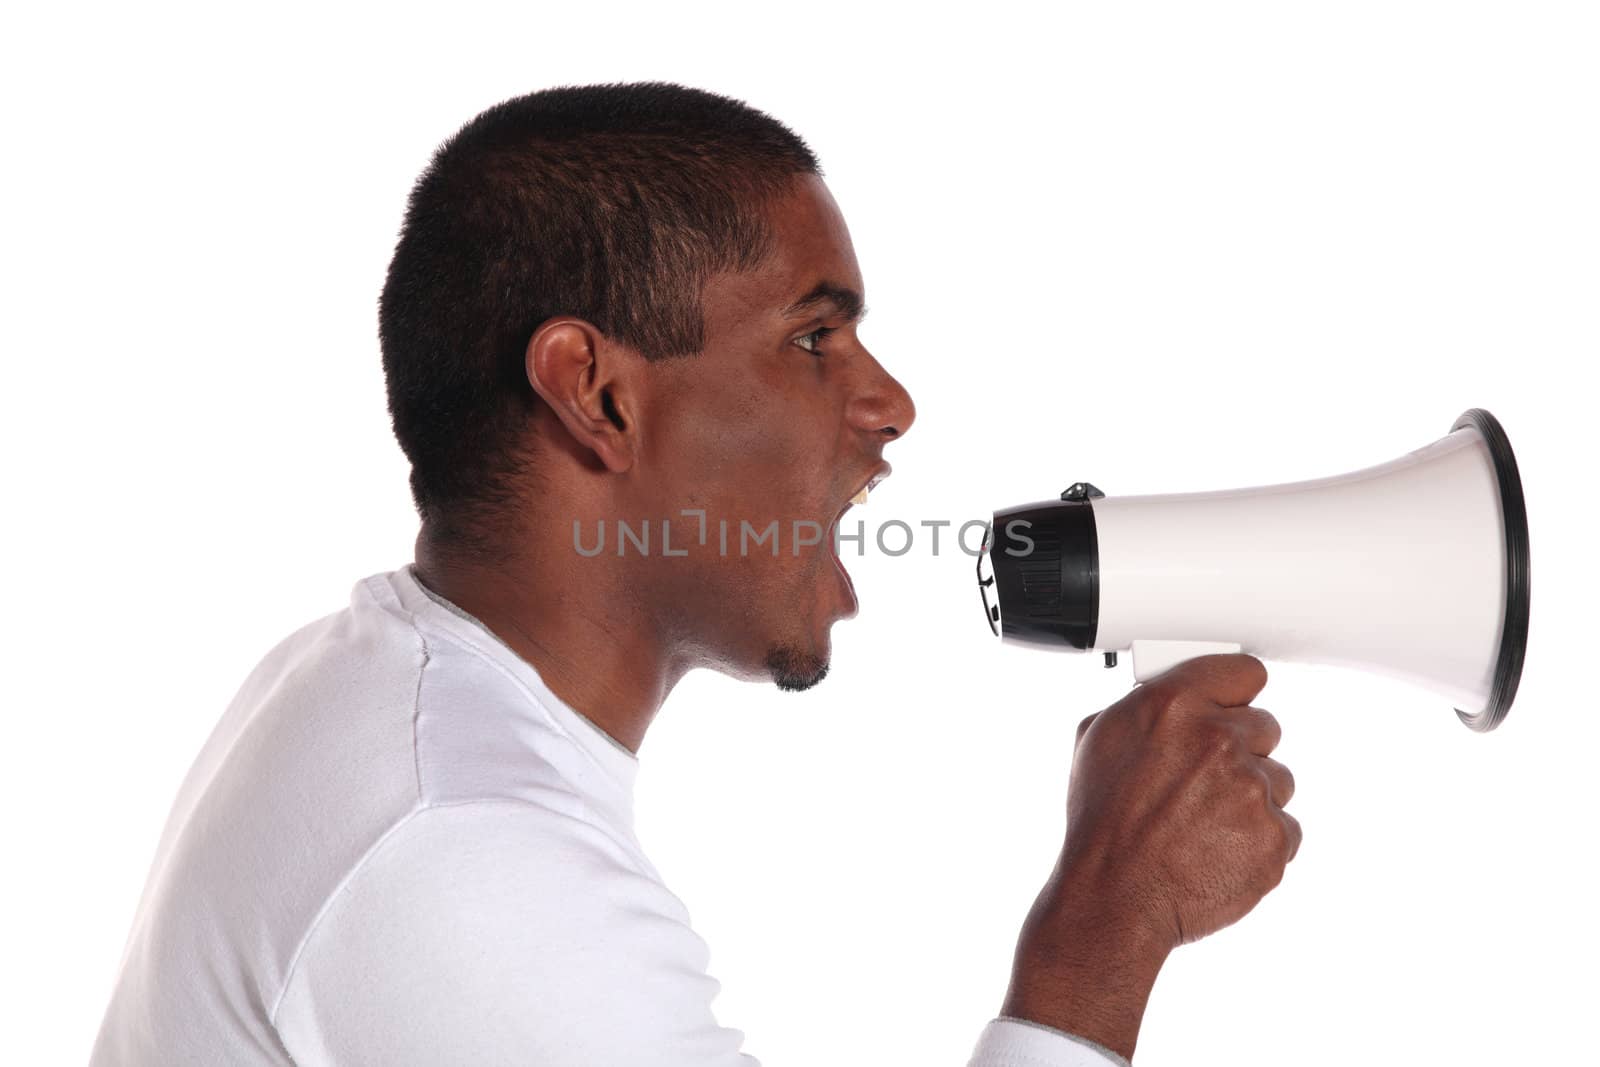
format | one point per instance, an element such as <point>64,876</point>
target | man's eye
<point>812,340</point>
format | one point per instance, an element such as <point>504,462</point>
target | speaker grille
<point>1049,589</point>
<point>1040,572</point>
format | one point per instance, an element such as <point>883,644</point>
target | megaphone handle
<point>1150,658</point>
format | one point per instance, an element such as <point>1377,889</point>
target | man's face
<point>782,418</point>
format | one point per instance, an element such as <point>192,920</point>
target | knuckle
<point>1272,859</point>
<point>1157,708</point>
<point>1274,876</point>
<point>1254,789</point>
<point>1083,727</point>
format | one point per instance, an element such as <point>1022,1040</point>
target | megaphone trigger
<point>1151,658</point>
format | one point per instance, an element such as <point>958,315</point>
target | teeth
<point>861,497</point>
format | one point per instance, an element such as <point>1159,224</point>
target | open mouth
<point>860,497</point>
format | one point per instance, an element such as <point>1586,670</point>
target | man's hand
<point>1175,829</point>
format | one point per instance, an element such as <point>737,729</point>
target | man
<point>409,841</point>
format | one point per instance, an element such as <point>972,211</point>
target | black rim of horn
<point>1514,631</point>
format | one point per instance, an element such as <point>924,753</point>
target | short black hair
<point>612,203</point>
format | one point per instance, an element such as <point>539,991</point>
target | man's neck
<point>602,660</point>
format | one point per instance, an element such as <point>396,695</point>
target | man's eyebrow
<point>845,300</point>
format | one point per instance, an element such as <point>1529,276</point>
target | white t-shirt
<point>397,848</point>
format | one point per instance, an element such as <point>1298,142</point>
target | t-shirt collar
<point>617,761</point>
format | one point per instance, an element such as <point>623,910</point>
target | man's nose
<point>881,406</point>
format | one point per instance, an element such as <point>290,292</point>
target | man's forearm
<point>1084,974</point>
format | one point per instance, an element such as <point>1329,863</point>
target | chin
<point>791,649</point>
<point>796,670</point>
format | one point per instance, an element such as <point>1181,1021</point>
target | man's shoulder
<point>389,711</point>
<point>385,729</point>
<point>380,689</point>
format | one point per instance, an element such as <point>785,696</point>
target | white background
<point>1163,249</point>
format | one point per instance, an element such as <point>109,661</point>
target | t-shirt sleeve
<point>502,933</point>
<point>505,933</point>
<point>1016,1043</point>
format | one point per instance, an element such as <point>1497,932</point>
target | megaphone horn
<point>1416,568</point>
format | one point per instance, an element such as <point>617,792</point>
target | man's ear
<point>580,374</point>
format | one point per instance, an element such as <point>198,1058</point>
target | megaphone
<point>1416,568</point>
